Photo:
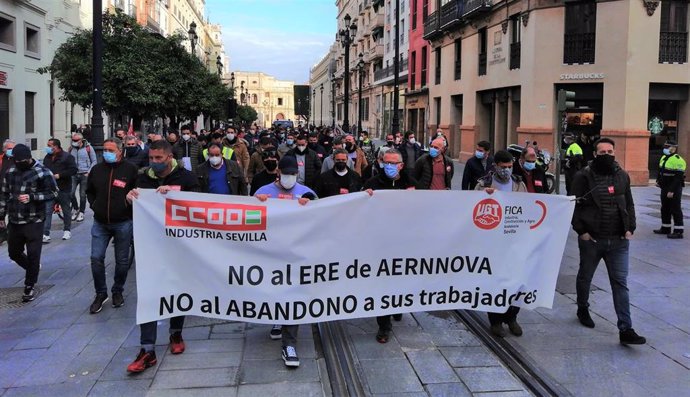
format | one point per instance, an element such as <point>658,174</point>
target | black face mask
<point>312,145</point>
<point>271,165</point>
<point>23,165</point>
<point>390,143</point>
<point>131,151</point>
<point>349,146</point>
<point>604,163</point>
<point>340,166</point>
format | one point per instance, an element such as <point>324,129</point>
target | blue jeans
<point>79,180</point>
<point>121,233</point>
<point>64,199</point>
<point>614,252</point>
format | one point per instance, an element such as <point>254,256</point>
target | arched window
<point>255,99</point>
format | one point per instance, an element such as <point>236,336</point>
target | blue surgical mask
<point>667,151</point>
<point>8,153</point>
<point>433,152</point>
<point>158,167</point>
<point>109,157</point>
<point>48,150</point>
<point>529,166</point>
<point>478,154</point>
<point>391,170</point>
<point>289,142</point>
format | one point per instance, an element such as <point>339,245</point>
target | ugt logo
<point>216,216</point>
<point>487,214</point>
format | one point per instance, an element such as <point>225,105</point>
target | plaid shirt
<point>38,183</point>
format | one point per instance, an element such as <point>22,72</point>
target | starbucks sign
<point>656,125</point>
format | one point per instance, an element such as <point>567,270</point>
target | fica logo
<point>215,216</point>
<point>487,214</point>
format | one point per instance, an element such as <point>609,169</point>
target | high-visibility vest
<point>672,163</point>
<point>574,150</point>
<point>227,153</point>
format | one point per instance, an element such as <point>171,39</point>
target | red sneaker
<point>176,343</point>
<point>144,360</point>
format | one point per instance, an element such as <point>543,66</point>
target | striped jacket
<point>38,183</point>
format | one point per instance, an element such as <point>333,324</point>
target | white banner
<point>349,256</point>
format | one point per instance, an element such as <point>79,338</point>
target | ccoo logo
<point>487,214</point>
<point>215,216</point>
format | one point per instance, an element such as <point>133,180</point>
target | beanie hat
<point>21,152</point>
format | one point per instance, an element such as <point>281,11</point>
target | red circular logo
<point>487,214</point>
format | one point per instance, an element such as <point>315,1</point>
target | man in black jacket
<point>133,153</point>
<point>477,166</point>
<point>220,176</point>
<point>434,170</point>
<point>106,190</point>
<point>164,174</point>
<point>531,173</point>
<point>308,163</point>
<point>604,220</point>
<point>63,167</point>
<point>340,179</point>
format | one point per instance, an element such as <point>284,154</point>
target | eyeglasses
<point>392,163</point>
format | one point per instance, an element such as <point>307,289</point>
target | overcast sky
<point>283,38</point>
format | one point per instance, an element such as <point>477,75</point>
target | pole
<point>396,66</point>
<point>346,81</point>
<point>321,108</point>
<point>333,101</point>
<point>97,116</point>
<point>359,100</point>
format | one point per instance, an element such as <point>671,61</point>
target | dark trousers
<point>289,335</point>
<point>79,181</point>
<point>508,316</point>
<point>29,236</point>
<point>670,209</point>
<point>64,199</point>
<point>385,322</point>
<point>149,331</point>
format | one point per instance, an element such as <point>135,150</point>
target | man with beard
<point>340,179</point>
<point>355,154</point>
<point>269,158</point>
<point>308,163</point>
<point>314,145</point>
<point>239,148</point>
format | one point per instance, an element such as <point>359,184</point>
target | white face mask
<point>186,137</point>
<point>301,148</point>
<point>230,136</point>
<point>288,181</point>
<point>215,160</point>
<point>412,140</point>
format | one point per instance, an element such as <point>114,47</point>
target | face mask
<point>109,157</point>
<point>75,144</point>
<point>390,143</point>
<point>215,160</point>
<point>301,148</point>
<point>186,137</point>
<point>48,150</point>
<point>391,170</point>
<point>312,145</point>
<point>604,163</point>
<point>381,165</point>
<point>290,142</point>
<point>433,152</point>
<point>288,181</point>
<point>340,166</point>
<point>412,140</point>
<point>504,174</point>
<point>529,165</point>
<point>158,167</point>
<point>439,134</point>
<point>230,137</point>
<point>667,151</point>
<point>271,165</point>
<point>8,153</point>
<point>348,146</point>
<point>23,165</point>
<point>478,154</point>
<point>131,151</point>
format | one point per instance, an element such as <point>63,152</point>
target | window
<point>402,31</point>
<point>437,106</point>
<point>29,111</point>
<point>425,10</point>
<point>280,101</point>
<point>414,14</point>
<point>424,63</point>
<point>437,70</point>
<point>673,40</point>
<point>7,34</point>
<point>365,116</point>
<point>580,33</point>
<point>458,59</point>
<point>255,99</point>
<point>340,111</point>
<point>483,45</point>
<point>413,69</point>
<point>515,37</point>
<point>32,41</point>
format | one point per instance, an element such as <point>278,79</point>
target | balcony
<point>673,47</point>
<point>377,24</point>
<point>374,53</point>
<point>474,8</point>
<point>432,26</point>
<point>152,24</point>
<point>578,48</point>
<point>451,13</point>
<point>388,72</point>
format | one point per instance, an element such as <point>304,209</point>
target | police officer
<point>574,160</point>
<point>671,180</point>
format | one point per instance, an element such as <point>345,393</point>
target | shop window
<point>580,33</point>
<point>673,38</point>
<point>32,41</point>
<point>7,33</point>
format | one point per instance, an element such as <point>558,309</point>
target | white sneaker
<point>66,235</point>
<point>80,217</point>
<point>46,239</point>
<point>74,216</point>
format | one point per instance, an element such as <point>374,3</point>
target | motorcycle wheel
<point>550,183</point>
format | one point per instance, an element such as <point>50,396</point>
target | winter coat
<point>424,171</point>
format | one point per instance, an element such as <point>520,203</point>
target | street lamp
<point>321,111</point>
<point>360,108</point>
<point>396,67</point>
<point>347,37</point>
<point>242,97</point>
<point>193,37</point>
<point>232,83</point>
<point>313,104</point>
<point>219,65</point>
<point>333,100</point>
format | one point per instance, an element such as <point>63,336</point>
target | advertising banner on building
<point>278,262</point>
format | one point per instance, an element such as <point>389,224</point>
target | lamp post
<point>193,37</point>
<point>219,65</point>
<point>242,97</point>
<point>360,108</point>
<point>313,101</point>
<point>347,37</point>
<point>321,106</point>
<point>97,117</point>
<point>396,67</point>
<point>333,100</point>
<point>232,84</point>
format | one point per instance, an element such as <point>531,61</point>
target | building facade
<point>498,67</point>
<point>272,99</point>
<point>321,83</point>
<point>417,96</point>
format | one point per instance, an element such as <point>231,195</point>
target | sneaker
<point>46,239</point>
<point>276,332</point>
<point>498,331</point>
<point>29,294</point>
<point>515,328</point>
<point>585,318</point>
<point>176,343</point>
<point>98,302</point>
<point>66,235</point>
<point>80,217</point>
<point>662,230</point>
<point>118,299</point>
<point>397,317</point>
<point>144,360</point>
<point>74,215</point>
<point>382,335</point>
<point>630,337</point>
<point>290,356</point>
<point>675,235</point>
